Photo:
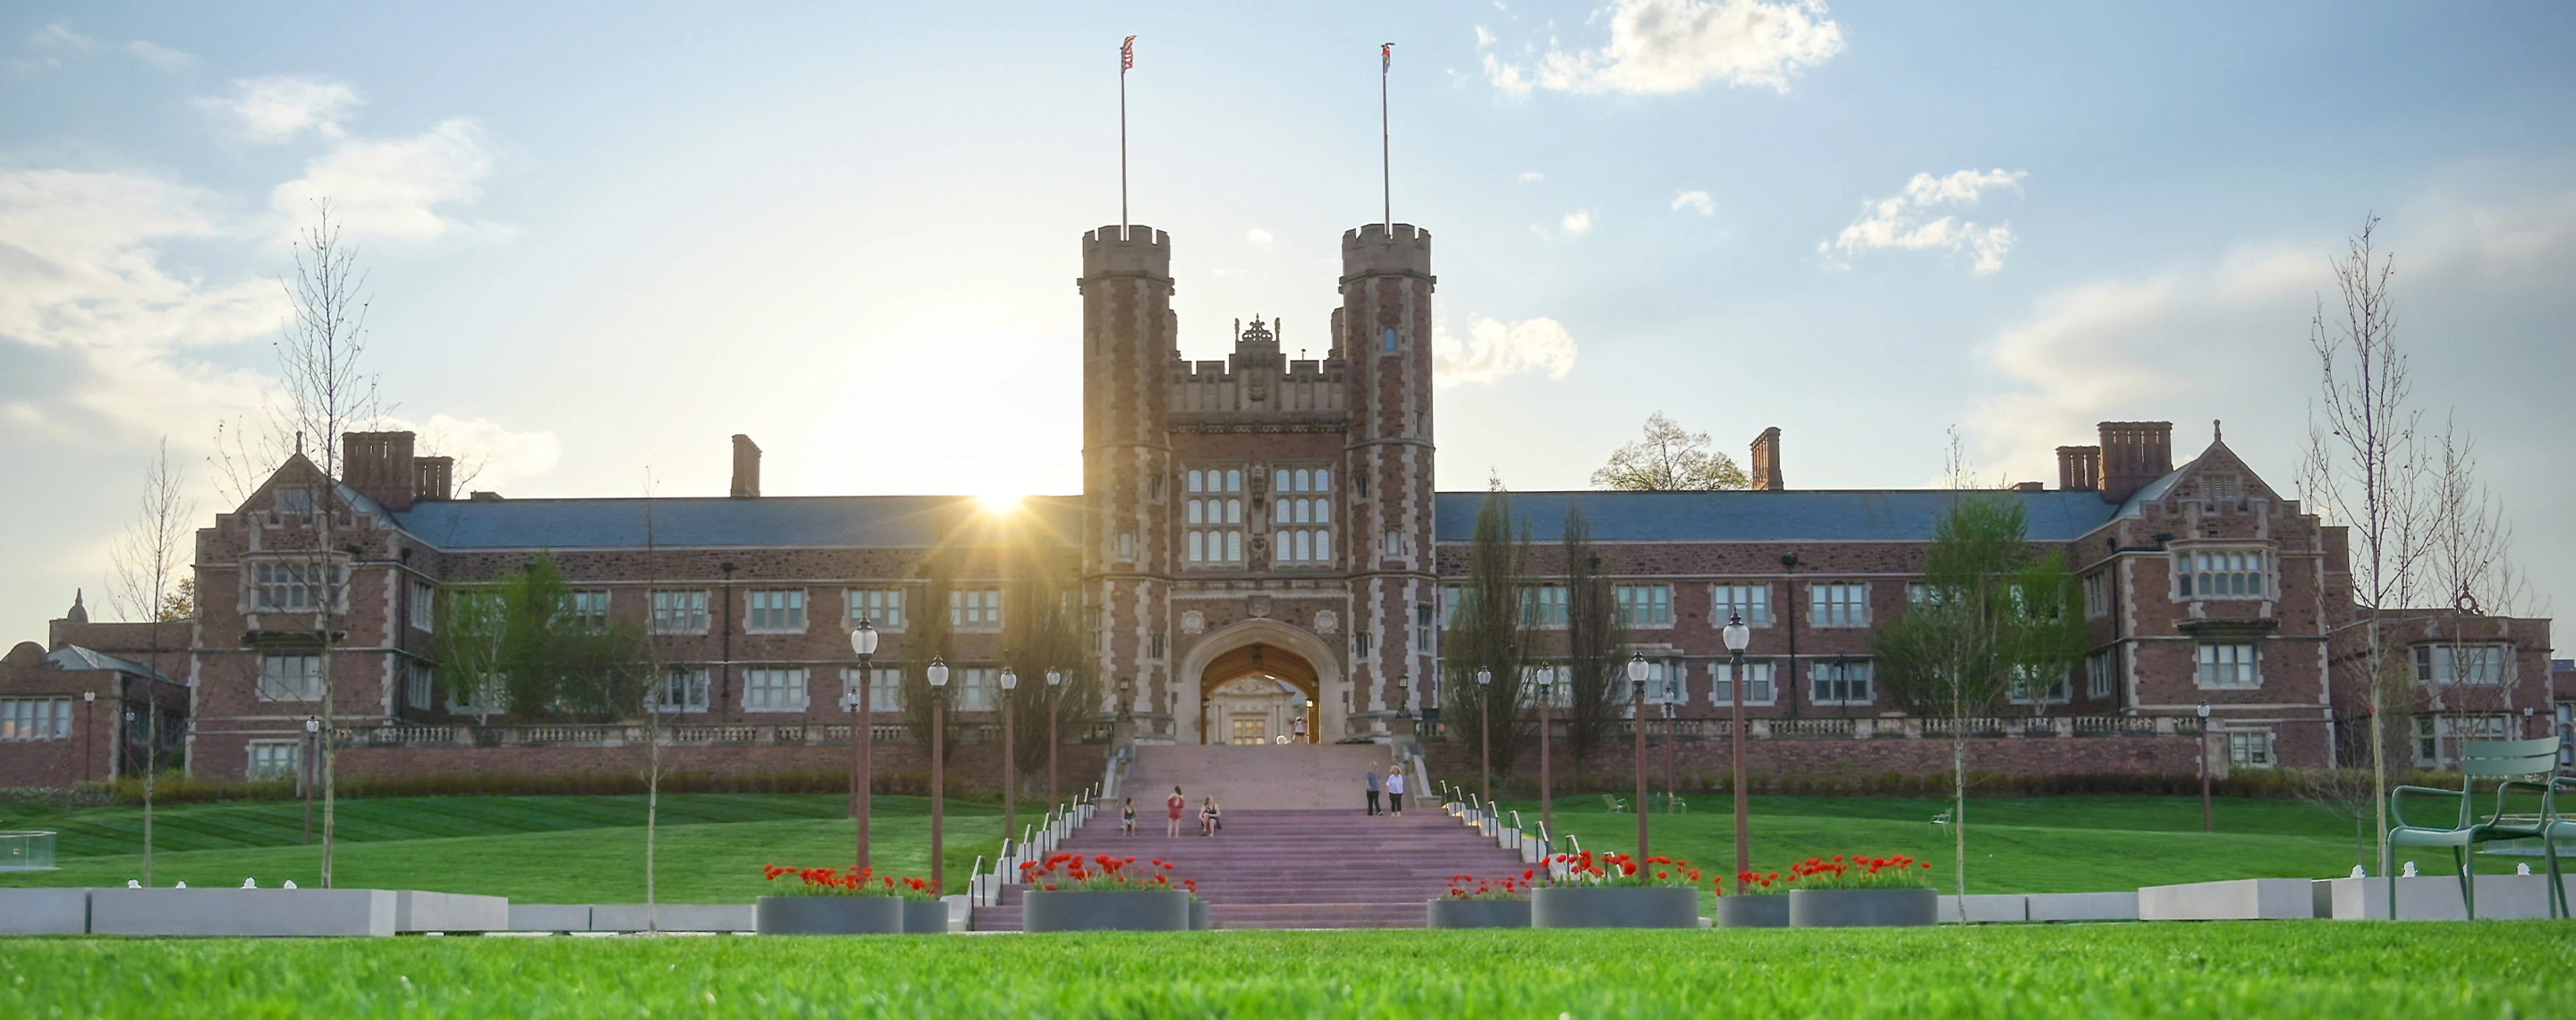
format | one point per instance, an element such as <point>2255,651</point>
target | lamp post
<point>863,727</point>
<point>1485,721</point>
<point>1637,693</point>
<point>1546,791</point>
<point>1737,636</point>
<point>89,733</point>
<point>1671,695</point>
<point>1055,694</point>
<point>1010,805</point>
<point>304,772</point>
<point>938,772</point>
<point>2205,823</point>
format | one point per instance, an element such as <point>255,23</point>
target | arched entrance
<point>1265,674</point>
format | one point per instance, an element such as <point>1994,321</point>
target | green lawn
<point>2488,969</point>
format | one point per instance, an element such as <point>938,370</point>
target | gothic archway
<point>1284,663</point>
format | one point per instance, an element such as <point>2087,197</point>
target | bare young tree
<point>149,560</point>
<point>2366,469</point>
<point>1668,458</point>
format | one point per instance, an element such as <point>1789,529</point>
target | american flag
<point>1127,55</point>
<point>1385,57</point>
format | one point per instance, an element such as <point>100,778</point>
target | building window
<point>589,609</point>
<point>684,689</point>
<point>778,611</point>
<point>882,608</point>
<point>290,678</point>
<point>1838,605</point>
<point>680,612</point>
<point>975,609</point>
<point>2027,690</point>
<point>2437,738</point>
<point>1126,547</point>
<point>1215,533</point>
<point>1361,639</point>
<point>885,688</point>
<point>1752,602</point>
<point>1544,606</point>
<point>420,688</point>
<point>1757,689</point>
<point>773,690</point>
<point>2097,674</point>
<point>295,502</point>
<point>1296,518</point>
<point>2462,665</point>
<point>2097,594</point>
<point>2229,666</point>
<point>274,759</point>
<point>35,718</point>
<point>1394,545</point>
<point>1839,683</point>
<point>1422,629</point>
<point>2222,574</point>
<point>976,688</point>
<point>1667,683</point>
<point>287,586</point>
<point>1387,341</point>
<point>424,606</point>
<point>2218,488</point>
<point>1644,605</point>
<point>2250,748</point>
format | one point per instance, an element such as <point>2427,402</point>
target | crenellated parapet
<point>1381,249</point>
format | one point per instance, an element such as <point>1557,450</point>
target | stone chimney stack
<point>1765,471</point>
<point>2134,453</point>
<point>379,465</point>
<point>2079,468</point>
<point>746,467</point>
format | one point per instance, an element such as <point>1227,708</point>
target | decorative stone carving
<point>1326,622</point>
<point>1193,622</point>
<point>1257,606</point>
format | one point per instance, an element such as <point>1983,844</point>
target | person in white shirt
<point>1395,789</point>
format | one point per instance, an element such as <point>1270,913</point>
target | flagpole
<point>1385,150</point>
<point>1123,58</point>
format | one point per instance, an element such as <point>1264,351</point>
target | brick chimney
<point>2134,453</point>
<point>379,465</point>
<point>746,467</point>
<point>1765,472</point>
<point>2079,468</point>
<point>433,479</point>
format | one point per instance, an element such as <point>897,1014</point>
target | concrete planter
<point>2084,906</point>
<point>2437,898</point>
<point>925,917</point>
<point>1458,912</point>
<point>1769,910</point>
<point>2242,899</point>
<point>416,912</point>
<point>1614,907</point>
<point>1199,915</point>
<point>44,911</point>
<point>1863,908</point>
<point>1106,911</point>
<point>242,912</point>
<point>552,917</point>
<point>631,917</point>
<point>1985,908</point>
<point>829,915</point>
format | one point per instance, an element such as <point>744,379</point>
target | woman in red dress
<point>1173,812</point>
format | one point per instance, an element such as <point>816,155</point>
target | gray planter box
<point>829,915</point>
<point>1456,912</point>
<point>2084,906</point>
<point>554,917</point>
<point>1767,910</point>
<point>241,912</point>
<point>1986,908</point>
<point>1614,907</point>
<point>630,917</point>
<point>2242,899</point>
<point>1863,908</point>
<point>51,911</point>
<point>925,917</point>
<point>1199,915</point>
<point>416,911</point>
<point>2437,897</point>
<point>1106,911</point>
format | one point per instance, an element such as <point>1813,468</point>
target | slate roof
<point>76,658</point>
<point>1845,515</point>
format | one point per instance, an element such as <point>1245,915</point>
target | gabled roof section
<point>802,522</point>
<point>1852,515</point>
<point>75,657</point>
<point>300,469</point>
<point>2183,481</point>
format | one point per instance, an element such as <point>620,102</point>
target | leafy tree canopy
<point>1669,459</point>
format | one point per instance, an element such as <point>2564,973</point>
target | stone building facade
<point>1258,543</point>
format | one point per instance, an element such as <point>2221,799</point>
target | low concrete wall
<point>2437,898</point>
<point>2084,906</point>
<point>1987,908</point>
<point>2244,899</point>
<point>416,911</point>
<point>630,917</point>
<point>44,911</point>
<point>242,912</point>
<point>557,917</point>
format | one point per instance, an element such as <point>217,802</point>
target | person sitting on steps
<point>1210,822</point>
<point>1127,818</point>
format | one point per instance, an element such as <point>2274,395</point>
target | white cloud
<point>1577,223</point>
<point>393,187</point>
<point>1664,46</point>
<point>52,45</point>
<point>1258,236</point>
<point>1483,37</point>
<point>495,456</point>
<point>1695,201</point>
<point>162,57</point>
<point>1899,221</point>
<point>1495,349</point>
<point>279,107</point>
<point>1532,177</point>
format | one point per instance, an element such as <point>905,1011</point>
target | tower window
<point>1390,340</point>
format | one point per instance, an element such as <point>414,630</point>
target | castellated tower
<point>1384,330</point>
<point>1127,342</point>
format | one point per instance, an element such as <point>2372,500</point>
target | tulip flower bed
<point>1103,873</point>
<point>1622,870</point>
<point>1508,887</point>
<point>2349,971</point>
<point>853,881</point>
<point>1840,872</point>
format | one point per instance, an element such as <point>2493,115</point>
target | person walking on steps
<point>1209,820</point>
<point>1127,818</point>
<point>1372,790</point>
<point>1172,809</point>
<point>1395,790</point>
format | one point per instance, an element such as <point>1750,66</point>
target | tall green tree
<point>1594,637</point>
<point>522,644</point>
<point>1995,618</point>
<point>1491,630</point>
<point>926,638</point>
<point>1042,630</point>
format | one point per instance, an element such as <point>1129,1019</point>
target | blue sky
<point>605,237</point>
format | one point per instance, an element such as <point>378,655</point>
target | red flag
<point>1127,55</point>
<point>1385,57</point>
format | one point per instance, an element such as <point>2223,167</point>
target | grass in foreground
<point>2227,969</point>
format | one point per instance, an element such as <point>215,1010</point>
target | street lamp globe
<point>938,671</point>
<point>1637,672</point>
<point>312,724</point>
<point>1484,678</point>
<point>1737,635</point>
<point>1055,677</point>
<point>2203,710</point>
<point>1010,680</point>
<point>863,638</point>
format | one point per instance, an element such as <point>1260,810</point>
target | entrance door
<point>1251,729</point>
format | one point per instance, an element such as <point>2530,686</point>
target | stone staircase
<point>1284,863</point>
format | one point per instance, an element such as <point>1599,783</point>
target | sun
<point>999,502</point>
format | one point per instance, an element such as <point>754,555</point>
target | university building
<point>1260,552</point>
